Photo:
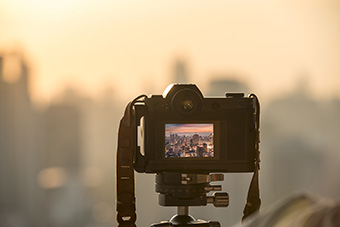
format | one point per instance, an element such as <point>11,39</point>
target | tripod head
<point>179,189</point>
<point>184,190</point>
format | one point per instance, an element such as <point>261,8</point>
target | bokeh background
<point>69,67</point>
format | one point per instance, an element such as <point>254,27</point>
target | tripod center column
<point>182,210</point>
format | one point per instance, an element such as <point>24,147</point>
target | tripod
<point>184,190</point>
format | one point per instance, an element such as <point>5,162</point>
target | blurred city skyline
<point>82,61</point>
<point>132,45</point>
<point>57,165</point>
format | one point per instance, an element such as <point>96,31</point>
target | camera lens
<point>186,105</point>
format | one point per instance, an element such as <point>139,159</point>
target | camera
<point>183,131</point>
<point>183,137</point>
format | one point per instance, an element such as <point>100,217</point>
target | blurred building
<point>42,180</point>
<point>65,193</point>
<point>218,87</point>
<point>20,201</point>
<point>300,145</point>
<point>180,72</point>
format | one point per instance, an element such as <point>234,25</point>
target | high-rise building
<point>180,72</point>
<point>20,200</point>
<point>40,156</point>
<point>195,140</point>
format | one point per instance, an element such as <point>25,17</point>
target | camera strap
<point>125,175</point>
<point>253,198</point>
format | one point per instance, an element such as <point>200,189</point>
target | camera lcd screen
<point>189,140</point>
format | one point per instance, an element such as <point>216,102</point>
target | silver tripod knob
<point>219,199</point>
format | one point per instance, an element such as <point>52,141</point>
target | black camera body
<point>185,132</point>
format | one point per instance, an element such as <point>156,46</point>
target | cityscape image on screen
<point>189,140</point>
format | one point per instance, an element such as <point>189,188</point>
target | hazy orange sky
<point>189,128</point>
<point>132,45</point>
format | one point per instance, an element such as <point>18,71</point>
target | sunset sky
<point>132,45</point>
<point>189,129</point>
